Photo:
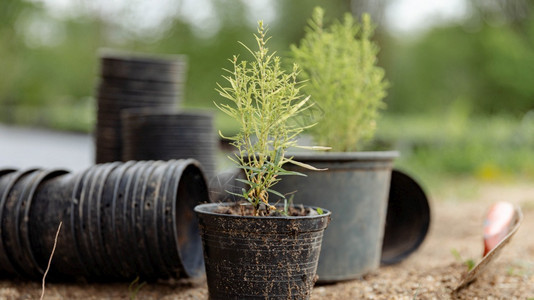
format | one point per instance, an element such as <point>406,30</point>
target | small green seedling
<point>265,100</point>
<point>470,263</point>
<point>134,288</point>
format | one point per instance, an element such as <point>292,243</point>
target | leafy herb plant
<point>265,100</point>
<point>340,65</point>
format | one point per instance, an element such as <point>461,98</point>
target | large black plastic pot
<point>408,218</point>
<point>260,257</point>
<point>120,221</point>
<point>355,188</point>
<point>149,134</point>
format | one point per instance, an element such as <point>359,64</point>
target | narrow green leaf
<point>249,183</point>
<point>251,169</point>
<point>276,193</point>
<point>286,173</point>
<point>306,166</point>
<point>318,148</point>
<point>235,194</point>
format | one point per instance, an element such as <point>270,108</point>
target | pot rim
<point>157,113</point>
<point>142,57</point>
<point>324,156</point>
<point>414,196</point>
<point>345,156</point>
<point>203,209</point>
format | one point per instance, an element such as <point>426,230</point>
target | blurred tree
<point>488,67</point>
<point>11,64</point>
<point>208,56</point>
<point>47,63</point>
<point>50,60</point>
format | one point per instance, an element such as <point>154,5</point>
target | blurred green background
<point>460,104</point>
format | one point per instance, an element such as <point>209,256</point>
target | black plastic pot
<point>143,66</point>
<point>355,188</point>
<point>133,80</point>
<point>162,134</point>
<point>17,190</point>
<point>408,218</point>
<point>120,221</point>
<point>260,257</point>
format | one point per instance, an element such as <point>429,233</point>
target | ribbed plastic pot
<point>17,192</point>
<point>355,188</point>
<point>408,218</point>
<point>166,134</point>
<point>135,219</point>
<point>142,66</point>
<point>119,85</point>
<point>260,257</point>
<point>120,221</point>
<point>133,80</point>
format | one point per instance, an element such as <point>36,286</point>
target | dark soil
<point>246,209</point>
<point>430,273</point>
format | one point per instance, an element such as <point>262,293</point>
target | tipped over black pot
<point>120,221</point>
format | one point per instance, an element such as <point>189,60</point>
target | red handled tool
<point>501,223</point>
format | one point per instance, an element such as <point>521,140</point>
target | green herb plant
<point>340,65</point>
<point>265,100</point>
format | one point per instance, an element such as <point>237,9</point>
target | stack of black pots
<point>150,134</point>
<point>120,221</point>
<point>133,81</point>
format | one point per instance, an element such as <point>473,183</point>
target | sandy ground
<point>430,273</point>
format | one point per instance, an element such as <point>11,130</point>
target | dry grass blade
<point>50,260</point>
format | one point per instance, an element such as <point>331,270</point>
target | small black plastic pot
<point>142,66</point>
<point>17,190</point>
<point>260,257</point>
<point>133,219</point>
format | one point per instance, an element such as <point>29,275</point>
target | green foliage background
<point>450,85</point>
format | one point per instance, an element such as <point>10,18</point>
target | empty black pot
<point>142,66</point>
<point>408,218</point>
<point>150,134</point>
<point>120,221</point>
<point>260,257</point>
<point>17,190</point>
